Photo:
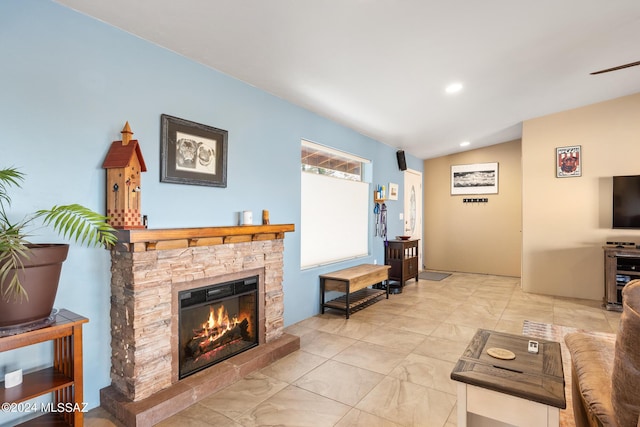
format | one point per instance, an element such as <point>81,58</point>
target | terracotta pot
<point>40,278</point>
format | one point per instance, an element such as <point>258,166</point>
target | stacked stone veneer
<point>144,305</point>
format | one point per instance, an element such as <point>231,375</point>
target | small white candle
<point>247,218</point>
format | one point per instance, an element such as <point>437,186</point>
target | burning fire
<point>217,324</point>
<point>218,332</point>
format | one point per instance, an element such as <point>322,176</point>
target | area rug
<point>556,333</point>
<point>432,275</point>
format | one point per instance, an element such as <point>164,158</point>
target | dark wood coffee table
<point>525,391</point>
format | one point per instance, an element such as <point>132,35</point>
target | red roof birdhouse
<point>124,164</point>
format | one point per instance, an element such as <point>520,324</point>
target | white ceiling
<point>381,66</point>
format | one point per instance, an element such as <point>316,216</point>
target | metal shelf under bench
<point>354,282</point>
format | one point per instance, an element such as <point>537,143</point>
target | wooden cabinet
<point>402,256</point>
<point>621,265</point>
<point>63,379</point>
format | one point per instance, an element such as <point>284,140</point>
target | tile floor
<point>389,364</point>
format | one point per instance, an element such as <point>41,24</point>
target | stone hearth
<point>149,268</point>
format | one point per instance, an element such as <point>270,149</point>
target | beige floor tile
<point>465,317</point>
<point>521,295</point>
<point>441,349</point>
<point>373,357</point>
<point>455,293</point>
<point>431,310</point>
<point>243,395</point>
<point>614,320</point>
<point>390,336</point>
<point>520,315</point>
<point>324,344</point>
<point>357,418</point>
<point>198,416</point>
<point>408,404</point>
<point>338,381</point>
<point>583,322</point>
<point>294,406</point>
<point>426,371</point>
<point>317,322</point>
<point>373,316</point>
<point>298,330</point>
<point>386,306</point>
<point>577,303</point>
<point>583,312</point>
<point>453,332</point>
<point>530,306</point>
<point>424,326</point>
<point>509,326</point>
<point>398,301</point>
<point>350,328</point>
<point>293,366</point>
<point>495,304</point>
<point>452,421</point>
<point>99,417</point>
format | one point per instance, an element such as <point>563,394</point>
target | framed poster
<point>393,191</point>
<point>192,153</point>
<point>478,178</point>
<point>568,161</point>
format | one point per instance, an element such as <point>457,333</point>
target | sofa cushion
<point>625,378</point>
<point>592,362</point>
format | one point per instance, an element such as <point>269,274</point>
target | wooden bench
<point>354,282</point>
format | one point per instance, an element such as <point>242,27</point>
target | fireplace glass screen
<point>217,322</point>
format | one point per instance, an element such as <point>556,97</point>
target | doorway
<point>413,209</point>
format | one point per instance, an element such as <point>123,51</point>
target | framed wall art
<point>478,178</point>
<point>192,153</point>
<point>568,161</point>
<point>393,191</point>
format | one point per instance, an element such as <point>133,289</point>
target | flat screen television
<point>626,201</point>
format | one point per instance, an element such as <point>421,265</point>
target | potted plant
<point>29,272</point>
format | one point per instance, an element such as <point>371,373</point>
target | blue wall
<point>68,84</point>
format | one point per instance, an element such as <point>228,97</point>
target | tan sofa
<point>606,375</point>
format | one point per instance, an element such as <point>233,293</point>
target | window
<point>325,161</point>
<point>335,206</point>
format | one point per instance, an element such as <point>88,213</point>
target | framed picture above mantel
<point>477,178</point>
<point>192,153</point>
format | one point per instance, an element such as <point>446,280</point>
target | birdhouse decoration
<point>124,164</point>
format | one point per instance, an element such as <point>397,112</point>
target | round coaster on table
<point>501,353</point>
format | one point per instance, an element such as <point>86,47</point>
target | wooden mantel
<point>142,240</point>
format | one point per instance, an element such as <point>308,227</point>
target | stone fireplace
<point>152,272</point>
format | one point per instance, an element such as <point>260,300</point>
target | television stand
<point>621,265</point>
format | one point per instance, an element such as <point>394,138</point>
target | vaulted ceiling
<point>381,66</point>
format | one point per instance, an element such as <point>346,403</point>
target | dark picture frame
<point>192,153</point>
<point>569,161</point>
<point>477,178</point>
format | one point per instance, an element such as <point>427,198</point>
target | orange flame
<point>217,324</point>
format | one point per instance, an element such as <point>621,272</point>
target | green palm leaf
<point>75,222</point>
<point>8,177</point>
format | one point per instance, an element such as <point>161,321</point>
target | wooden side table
<point>63,379</point>
<point>525,391</point>
<point>402,256</point>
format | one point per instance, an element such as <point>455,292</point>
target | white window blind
<point>334,217</point>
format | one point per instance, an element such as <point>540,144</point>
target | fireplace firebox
<point>216,322</point>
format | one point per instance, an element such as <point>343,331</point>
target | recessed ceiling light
<point>454,88</point>
<point>465,144</point>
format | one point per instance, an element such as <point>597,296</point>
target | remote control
<point>533,347</point>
